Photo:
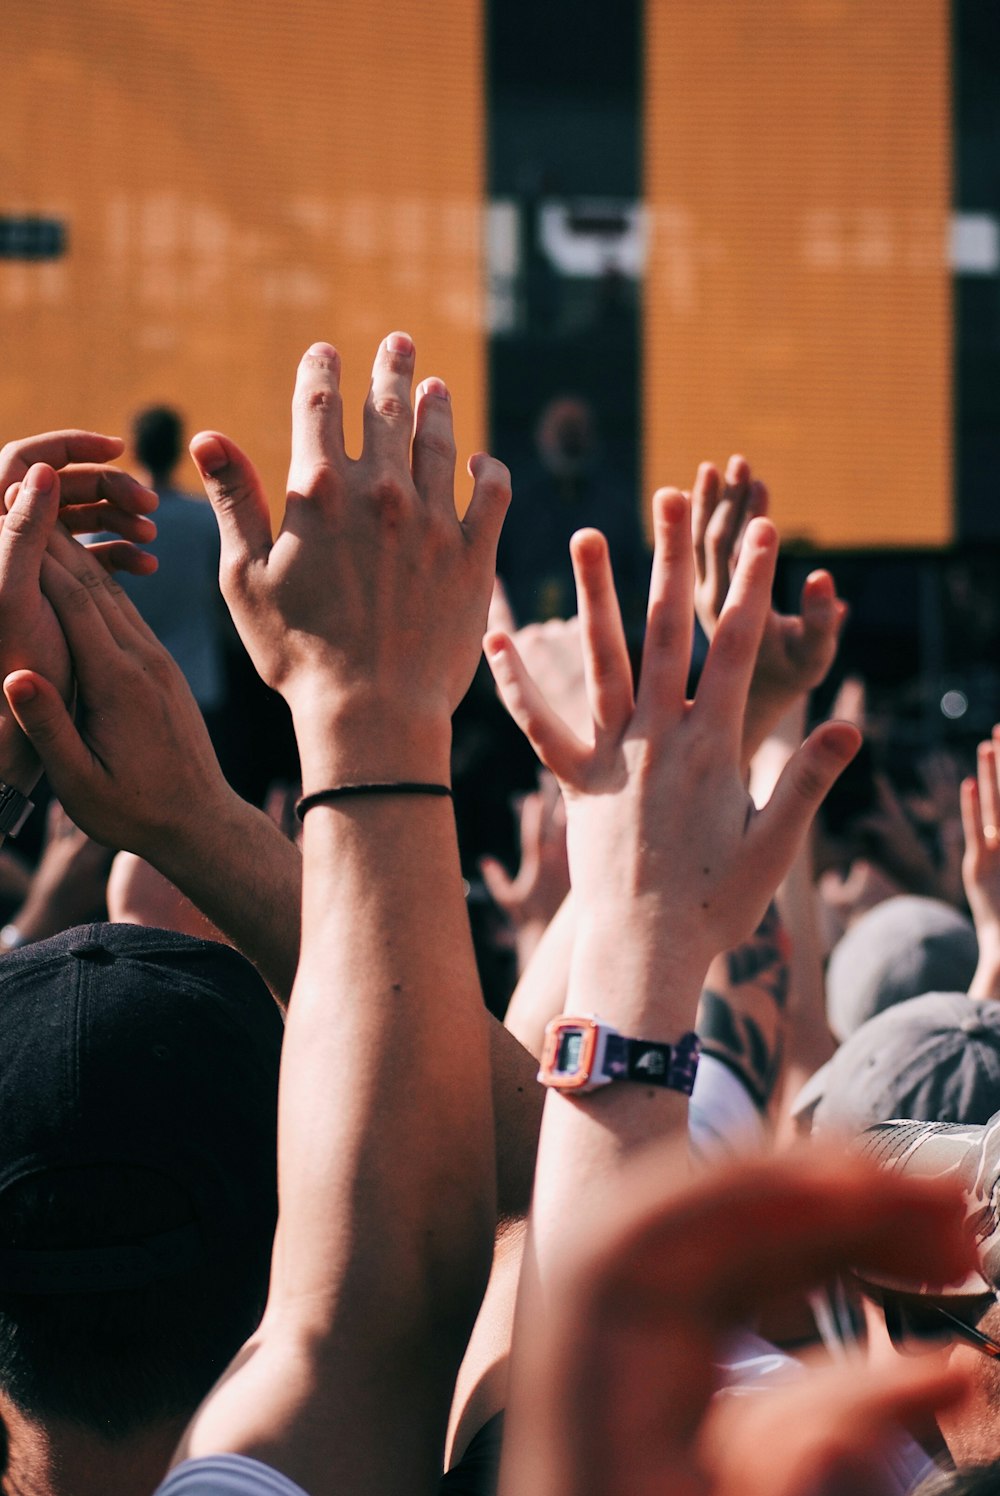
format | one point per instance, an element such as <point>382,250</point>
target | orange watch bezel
<point>554,1031</point>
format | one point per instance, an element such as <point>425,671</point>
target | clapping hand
<point>43,483</point>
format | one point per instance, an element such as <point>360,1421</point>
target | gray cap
<point>935,1058</point>
<point>899,949</point>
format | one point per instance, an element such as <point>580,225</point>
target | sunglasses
<point>913,1324</point>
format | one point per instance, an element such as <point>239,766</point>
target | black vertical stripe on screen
<point>564,92</point>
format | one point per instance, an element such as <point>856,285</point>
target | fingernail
<point>40,478</point>
<point>211,455</point>
<point>20,691</point>
<point>399,342</point>
<point>322,350</point>
<point>436,387</point>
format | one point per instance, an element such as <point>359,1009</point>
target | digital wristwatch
<point>581,1054</point>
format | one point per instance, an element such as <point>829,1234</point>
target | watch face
<point>569,1053</point>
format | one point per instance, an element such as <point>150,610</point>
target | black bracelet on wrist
<point>345,791</point>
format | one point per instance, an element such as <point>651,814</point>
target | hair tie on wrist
<point>345,791</point>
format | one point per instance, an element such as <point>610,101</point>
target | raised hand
<point>796,651</point>
<point>137,759</point>
<point>531,898</point>
<point>93,496</point>
<point>136,768</point>
<point>30,635</point>
<point>84,494</point>
<point>980,800</point>
<point>333,596</point>
<point>660,825</point>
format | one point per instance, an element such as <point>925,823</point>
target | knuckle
<point>388,495</point>
<point>228,492</point>
<point>91,581</point>
<point>495,484</point>
<point>319,398</point>
<point>391,408</point>
<point>810,782</point>
<point>663,628</point>
<point>77,598</point>
<point>438,444</point>
<point>20,521</point>
<point>322,476</point>
<point>732,642</point>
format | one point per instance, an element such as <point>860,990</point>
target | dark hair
<point>120,1361</point>
<point>156,437</point>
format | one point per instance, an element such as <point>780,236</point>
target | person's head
<point>902,948</point>
<point>962,1318</point>
<point>157,438</point>
<point>934,1058</point>
<point>138,1102</point>
<point>566,436</point>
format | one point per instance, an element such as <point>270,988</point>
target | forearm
<point>541,991</point>
<point>625,971</point>
<point>986,979</point>
<point>387,978</point>
<point>235,865</point>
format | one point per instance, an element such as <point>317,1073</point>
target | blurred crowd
<point>472,1018</point>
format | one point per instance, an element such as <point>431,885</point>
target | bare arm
<point>669,866</point>
<point>136,769</point>
<point>385,1152</point>
<point>981,864</point>
<point>619,1361</point>
<point>808,1041</point>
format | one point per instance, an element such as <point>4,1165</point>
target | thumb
<point>44,720</point>
<point>235,493</point>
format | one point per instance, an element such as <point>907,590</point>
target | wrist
<point>189,828</point>
<point>20,766</point>
<point>988,940</point>
<point>366,744</point>
<point>638,973</point>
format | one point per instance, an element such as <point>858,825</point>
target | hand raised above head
<point>980,800</point>
<point>796,650</point>
<point>93,496</point>
<point>137,759</point>
<point>368,608</point>
<point>30,635</point>
<point>659,819</point>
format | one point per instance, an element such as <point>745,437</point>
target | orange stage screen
<point>239,178</point>
<point>798,293</point>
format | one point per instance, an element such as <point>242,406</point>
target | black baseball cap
<point>128,1048</point>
